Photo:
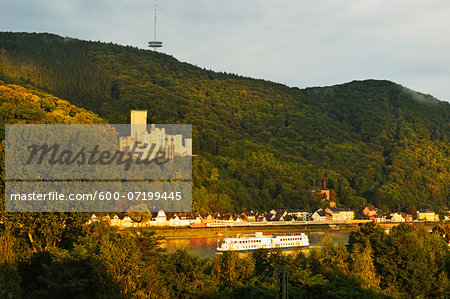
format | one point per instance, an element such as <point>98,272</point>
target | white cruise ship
<point>258,240</point>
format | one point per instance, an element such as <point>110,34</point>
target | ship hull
<point>252,242</point>
<point>268,248</point>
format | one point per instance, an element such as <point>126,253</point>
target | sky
<point>295,42</point>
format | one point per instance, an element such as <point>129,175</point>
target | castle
<point>154,141</point>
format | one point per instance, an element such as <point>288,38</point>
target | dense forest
<point>260,145</point>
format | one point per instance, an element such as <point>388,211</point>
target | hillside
<point>260,144</point>
<point>20,105</point>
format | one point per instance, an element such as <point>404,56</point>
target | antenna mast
<point>154,44</point>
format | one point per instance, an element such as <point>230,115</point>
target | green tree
<point>362,266</point>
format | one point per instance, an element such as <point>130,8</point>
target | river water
<point>205,247</point>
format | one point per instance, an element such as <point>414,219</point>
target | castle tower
<point>138,122</point>
<point>172,149</point>
<point>166,147</point>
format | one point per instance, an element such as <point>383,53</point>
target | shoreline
<point>186,232</point>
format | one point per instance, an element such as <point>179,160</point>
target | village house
<point>408,217</point>
<point>249,216</point>
<point>278,217</point>
<point>227,217</point>
<point>369,211</point>
<point>177,221</point>
<point>427,215</point>
<point>263,217</point>
<point>127,222</point>
<point>397,217</point>
<point>340,214</point>
<point>281,213</point>
<point>300,215</point>
<point>211,217</point>
<point>322,190</point>
<point>380,218</point>
<point>115,221</point>
<point>159,220</point>
<point>197,219</point>
<point>320,216</point>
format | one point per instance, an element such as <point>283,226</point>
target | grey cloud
<point>299,43</point>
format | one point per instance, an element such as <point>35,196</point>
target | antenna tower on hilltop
<point>154,43</point>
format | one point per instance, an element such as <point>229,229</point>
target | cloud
<point>299,43</point>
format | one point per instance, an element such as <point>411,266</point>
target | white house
<point>340,214</point>
<point>179,221</point>
<point>301,215</point>
<point>396,217</point>
<point>127,222</point>
<point>320,215</point>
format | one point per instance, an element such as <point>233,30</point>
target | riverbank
<point>184,232</point>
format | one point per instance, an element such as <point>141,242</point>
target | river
<point>205,247</point>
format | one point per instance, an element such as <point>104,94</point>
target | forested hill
<point>260,144</point>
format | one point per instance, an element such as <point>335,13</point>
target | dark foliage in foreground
<point>102,262</point>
